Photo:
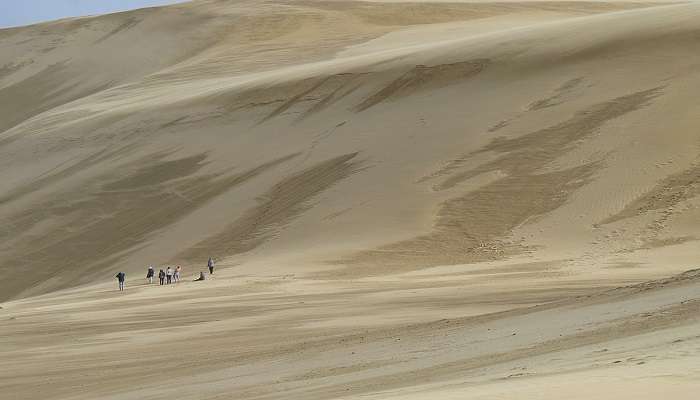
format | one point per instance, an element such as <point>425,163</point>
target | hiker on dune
<point>210,265</point>
<point>201,277</point>
<point>176,275</point>
<point>161,276</point>
<point>169,275</point>
<point>149,274</point>
<point>121,277</point>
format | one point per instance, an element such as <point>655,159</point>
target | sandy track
<point>273,339</point>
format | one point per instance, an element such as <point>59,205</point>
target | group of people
<point>167,276</point>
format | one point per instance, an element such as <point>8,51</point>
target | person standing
<point>176,275</point>
<point>169,275</point>
<point>149,274</point>
<point>210,265</point>
<point>121,277</point>
<point>161,276</point>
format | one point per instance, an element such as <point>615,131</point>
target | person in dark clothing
<point>121,277</point>
<point>210,265</point>
<point>161,277</point>
<point>149,274</point>
<point>201,277</point>
<point>169,275</point>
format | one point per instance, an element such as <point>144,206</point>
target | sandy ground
<point>407,200</point>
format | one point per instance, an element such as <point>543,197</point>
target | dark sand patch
<point>525,154</point>
<point>159,173</point>
<point>339,93</point>
<point>311,95</point>
<point>12,67</point>
<point>557,97</point>
<point>663,242</point>
<point>471,228</point>
<point>126,25</point>
<point>422,77</point>
<point>93,226</point>
<point>291,101</point>
<point>668,193</point>
<point>459,162</point>
<point>447,169</point>
<point>62,172</point>
<point>286,200</point>
<point>498,126</point>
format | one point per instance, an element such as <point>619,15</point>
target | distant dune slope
<point>351,138</point>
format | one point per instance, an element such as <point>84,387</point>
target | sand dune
<point>407,199</point>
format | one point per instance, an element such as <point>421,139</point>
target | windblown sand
<point>408,200</point>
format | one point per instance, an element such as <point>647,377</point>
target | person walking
<point>149,274</point>
<point>121,277</point>
<point>176,275</point>
<point>169,275</point>
<point>210,265</point>
<point>161,276</point>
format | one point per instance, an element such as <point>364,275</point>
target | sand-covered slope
<point>360,170</point>
<point>364,137</point>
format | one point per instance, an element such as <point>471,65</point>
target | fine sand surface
<point>406,200</point>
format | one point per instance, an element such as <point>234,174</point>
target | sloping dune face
<point>410,200</point>
<point>355,139</point>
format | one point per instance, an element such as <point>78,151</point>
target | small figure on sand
<point>161,276</point>
<point>176,275</point>
<point>169,275</point>
<point>210,265</point>
<point>121,277</point>
<point>201,277</point>
<point>149,274</point>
